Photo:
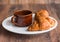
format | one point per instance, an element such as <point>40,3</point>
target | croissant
<point>34,26</point>
<point>42,21</point>
<point>43,13</point>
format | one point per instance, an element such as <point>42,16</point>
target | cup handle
<point>13,19</point>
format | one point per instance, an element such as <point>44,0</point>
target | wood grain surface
<point>7,10</point>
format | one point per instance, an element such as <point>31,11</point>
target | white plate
<point>23,30</point>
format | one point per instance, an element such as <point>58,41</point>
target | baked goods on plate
<point>42,21</point>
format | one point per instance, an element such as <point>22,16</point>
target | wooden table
<point>52,36</point>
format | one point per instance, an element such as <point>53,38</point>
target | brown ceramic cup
<point>22,18</point>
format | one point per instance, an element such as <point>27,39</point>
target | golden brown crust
<point>43,13</point>
<point>42,21</point>
<point>34,26</point>
<point>52,22</point>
